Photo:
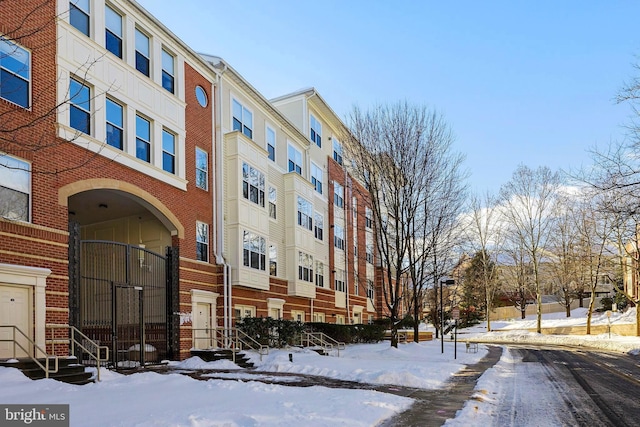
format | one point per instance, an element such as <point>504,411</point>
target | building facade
<point>149,194</point>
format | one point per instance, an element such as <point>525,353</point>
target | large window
<point>340,285</point>
<point>142,53</point>
<point>316,177</point>
<point>252,184</point>
<point>271,143</point>
<point>15,73</point>
<point>202,241</point>
<point>305,267</point>
<point>80,109</point>
<point>337,151</point>
<point>202,169</point>
<point>318,227</point>
<point>79,15</point>
<point>273,260</point>
<point>242,119</point>
<point>242,311</point>
<point>273,196</point>
<point>319,274</point>
<point>370,289</point>
<point>168,74</point>
<point>295,160</point>
<point>369,254</point>
<point>338,237</point>
<point>115,124</point>
<point>15,188</point>
<point>168,151</point>
<point>316,131</point>
<point>338,195</point>
<point>113,31</point>
<point>368,218</point>
<point>143,139</point>
<point>305,213</point>
<point>254,251</point>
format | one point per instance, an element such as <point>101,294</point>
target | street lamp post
<point>447,281</point>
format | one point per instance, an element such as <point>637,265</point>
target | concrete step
<point>223,354</point>
<point>69,371</point>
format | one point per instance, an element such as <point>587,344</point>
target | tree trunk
<point>592,301</point>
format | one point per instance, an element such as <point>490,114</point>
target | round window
<point>201,96</point>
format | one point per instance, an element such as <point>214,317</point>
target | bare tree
<point>25,42</point>
<point>528,200</point>
<point>486,240</point>
<point>402,153</point>
<point>516,274</point>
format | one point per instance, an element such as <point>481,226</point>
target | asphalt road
<point>584,389</point>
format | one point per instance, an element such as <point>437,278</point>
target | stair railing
<point>322,340</point>
<point>95,351</point>
<point>232,339</point>
<point>16,336</point>
<point>242,340</point>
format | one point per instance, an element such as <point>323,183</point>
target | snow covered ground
<point>153,399</point>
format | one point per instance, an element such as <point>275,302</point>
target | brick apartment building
<point>149,193</point>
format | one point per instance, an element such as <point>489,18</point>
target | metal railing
<point>95,351</point>
<point>322,340</point>
<point>227,339</point>
<point>32,352</point>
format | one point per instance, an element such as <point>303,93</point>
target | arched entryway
<point>123,279</point>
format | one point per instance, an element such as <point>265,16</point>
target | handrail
<point>243,338</point>
<point>231,338</point>
<point>323,340</point>
<point>86,342</point>
<point>34,357</point>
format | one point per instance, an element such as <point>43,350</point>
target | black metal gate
<point>123,300</point>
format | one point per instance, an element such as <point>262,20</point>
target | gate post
<point>173,302</point>
<point>74,274</point>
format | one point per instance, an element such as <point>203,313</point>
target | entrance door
<point>14,310</point>
<point>202,325</point>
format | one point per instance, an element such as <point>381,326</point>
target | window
<point>319,226</point>
<point>318,317</point>
<point>339,281</point>
<point>242,119</point>
<point>168,151</point>
<point>272,202</point>
<point>338,195</point>
<point>253,184</point>
<point>319,274</point>
<point>370,289</point>
<point>271,143</point>
<point>295,160</point>
<point>168,75</point>
<point>142,53</point>
<point>305,213</point>
<point>15,73</point>
<point>79,15</point>
<point>354,210</point>
<point>115,124</point>
<point>316,177</point>
<point>369,255</point>
<point>368,218</point>
<point>356,286</point>
<point>305,267</point>
<point>243,311</point>
<point>202,169</point>
<point>338,237</point>
<point>80,110</point>
<point>113,31</point>
<point>143,139</point>
<point>202,241</point>
<point>15,188</point>
<point>273,261</point>
<point>201,96</point>
<point>340,319</point>
<point>297,315</point>
<point>337,151</point>
<point>316,131</point>
<point>254,251</point>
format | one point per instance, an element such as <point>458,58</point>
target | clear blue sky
<point>529,82</point>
